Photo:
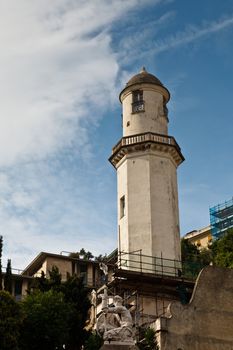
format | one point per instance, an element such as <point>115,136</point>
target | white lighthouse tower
<point>146,159</point>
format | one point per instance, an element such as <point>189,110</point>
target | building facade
<point>88,270</point>
<point>43,263</point>
<point>201,238</point>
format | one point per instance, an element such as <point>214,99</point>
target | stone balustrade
<point>145,137</point>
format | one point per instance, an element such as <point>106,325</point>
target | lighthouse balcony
<point>143,142</point>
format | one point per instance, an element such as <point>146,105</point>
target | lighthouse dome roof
<point>143,77</point>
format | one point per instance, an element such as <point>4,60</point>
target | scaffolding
<point>221,218</point>
<point>148,285</point>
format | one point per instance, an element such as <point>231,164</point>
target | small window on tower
<point>137,95</point>
<point>122,207</point>
<point>138,103</point>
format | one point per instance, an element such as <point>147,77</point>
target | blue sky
<point>62,66</point>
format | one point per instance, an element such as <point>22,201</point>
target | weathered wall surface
<point>206,323</point>
<point>151,222</point>
<point>151,119</point>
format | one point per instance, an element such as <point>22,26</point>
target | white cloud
<point>44,208</point>
<point>23,200</point>
<point>57,61</point>
<point>138,38</point>
<point>190,34</point>
<point>145,41</point>
<point>58,74</point>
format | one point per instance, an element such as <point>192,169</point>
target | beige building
<point>87,269</point>
<point>201,238</point>
<point>19,283</point>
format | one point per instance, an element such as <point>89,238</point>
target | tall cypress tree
<point>1,244</point>
<point>8,277</point>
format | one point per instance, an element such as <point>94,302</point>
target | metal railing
<point>13,271</point>
<point>140,138</point>
<point>138,262</point>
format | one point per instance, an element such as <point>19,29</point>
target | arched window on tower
<point>138,103</point>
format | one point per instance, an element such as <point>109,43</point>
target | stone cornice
<point>144,142</point>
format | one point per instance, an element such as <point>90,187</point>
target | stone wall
<point>206,323</point>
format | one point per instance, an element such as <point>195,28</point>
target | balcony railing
<point>13,271</point>
<point>138,262</point>
<point>141,138</point>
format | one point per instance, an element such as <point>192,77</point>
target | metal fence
<point>138,262</point>
<point>13,271</point>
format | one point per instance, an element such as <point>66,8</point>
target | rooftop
<point>143,77</point>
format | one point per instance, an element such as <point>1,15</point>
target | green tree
<point>222,250</point>
<point>10,322</point>
<point>8,277</point>
<point>86,255</point>
<point>94,342</point>
<point>77,296</point>
<point>190,255</point>
<point>1,245</point>
<point>194,259</point>
<point>188,250</point>
<point>149,341</point>
<point>102,258</point>
<point>39,283</point>
<point>206,256</point>
<point>46,322</point>
<point>44,284</point>
<point>54,281</point>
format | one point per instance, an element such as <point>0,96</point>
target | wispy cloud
<point>44,207</point>
<point>189,35</point>
<point>58,73</point>
<point>139,45</point>
<point>56,67</point>
<point>138,34</point>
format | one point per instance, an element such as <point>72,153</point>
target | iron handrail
<point>142,263</point>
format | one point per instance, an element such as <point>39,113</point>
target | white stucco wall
<point>151,119</point>
<point>151,222</point>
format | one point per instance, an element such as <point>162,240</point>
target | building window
<point>137,95</point>
<point>83,273</point>
<point>18,290</point>
<point>73,267</point>
<point>138,103</point>
<point>122,207</point>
